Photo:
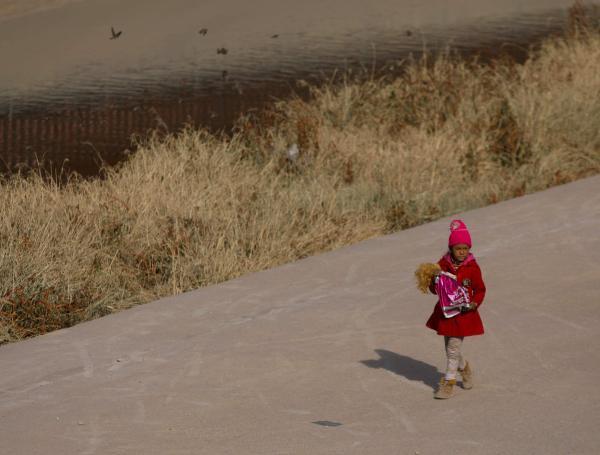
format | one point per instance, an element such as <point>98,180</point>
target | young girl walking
<point>460,262</point>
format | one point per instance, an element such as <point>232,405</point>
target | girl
<point>460,262</point>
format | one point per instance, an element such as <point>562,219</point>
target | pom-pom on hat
<point>459,234</point>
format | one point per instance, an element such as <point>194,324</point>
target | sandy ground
<point>10,9</point>
<point>250,365</point>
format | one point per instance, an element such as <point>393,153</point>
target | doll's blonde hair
<point>424,273</point>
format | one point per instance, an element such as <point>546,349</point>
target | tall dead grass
<point>195,209</point>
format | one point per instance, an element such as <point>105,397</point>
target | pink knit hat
<point>459,234</point>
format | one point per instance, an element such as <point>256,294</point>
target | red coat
<point>468,323</point>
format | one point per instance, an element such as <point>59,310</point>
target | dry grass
<point>377,156</point>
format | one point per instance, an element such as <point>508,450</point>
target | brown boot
<point>467,376</point>
<point>445,389</point>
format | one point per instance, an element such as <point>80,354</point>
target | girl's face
<point>460,251</point>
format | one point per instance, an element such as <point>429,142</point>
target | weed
<point>195,209</point>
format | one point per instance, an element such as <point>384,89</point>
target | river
<point>70,92</point>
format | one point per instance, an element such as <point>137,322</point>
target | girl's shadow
<point>412,369</point>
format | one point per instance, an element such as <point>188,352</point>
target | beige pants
<point>454,356</point>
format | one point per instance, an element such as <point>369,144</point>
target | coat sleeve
<point>432,286</point>
<point>478,286</point>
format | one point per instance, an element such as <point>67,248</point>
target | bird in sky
<point>222,50</point>
<point>115,34</point>
<point>275,36</point>
<point>203,31</point>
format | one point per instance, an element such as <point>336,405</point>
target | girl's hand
<point>469,307</point>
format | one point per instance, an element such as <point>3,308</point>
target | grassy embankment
<point>375,157</point>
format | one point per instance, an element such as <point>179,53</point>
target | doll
<point>453,298</point>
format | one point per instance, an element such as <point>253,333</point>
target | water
<point>72,97</point>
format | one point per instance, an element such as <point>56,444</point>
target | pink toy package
<point>452,296</point>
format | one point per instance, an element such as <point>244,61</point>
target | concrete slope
<point>248,366</point>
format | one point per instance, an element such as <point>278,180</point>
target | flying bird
<point>274,36</point>
<point>408,33</point>
<point>114,34</point>
<point>222,50</point>
<point>203,31</point>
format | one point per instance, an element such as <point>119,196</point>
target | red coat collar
<point>448,258</point>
